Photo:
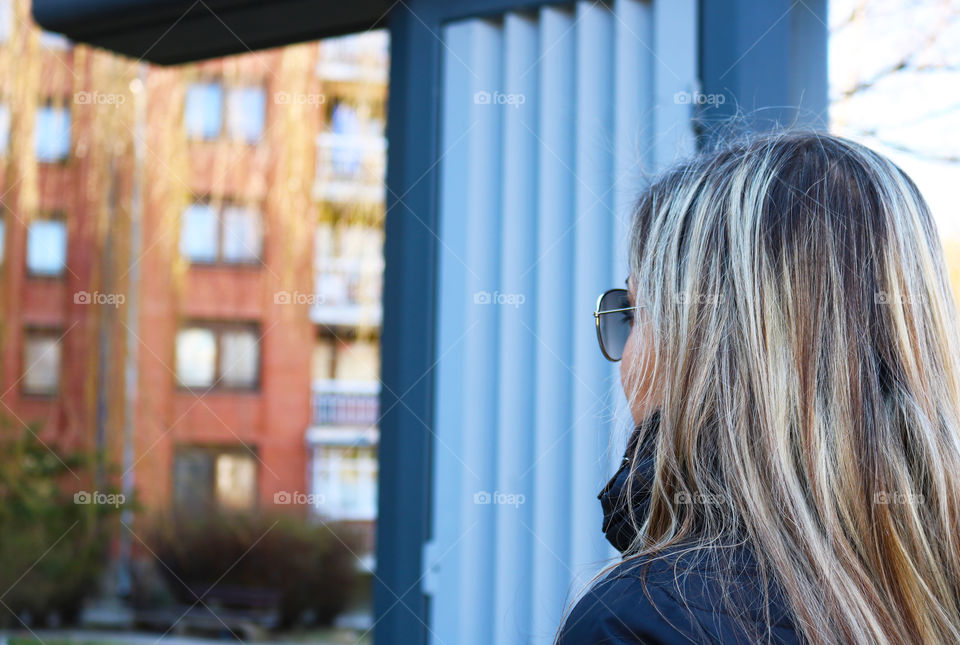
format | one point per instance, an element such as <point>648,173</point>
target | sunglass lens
<point>615,327</point>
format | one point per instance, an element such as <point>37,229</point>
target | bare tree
<point>916,64</point>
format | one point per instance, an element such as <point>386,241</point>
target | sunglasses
<point>614,316</point>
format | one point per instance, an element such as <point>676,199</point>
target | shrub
<point>52,550</point>
<point>310,566</point>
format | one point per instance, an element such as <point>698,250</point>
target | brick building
<point>192,261</point>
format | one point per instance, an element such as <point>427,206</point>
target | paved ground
<point>82,637</point>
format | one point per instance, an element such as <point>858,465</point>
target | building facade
<point>192,261</point>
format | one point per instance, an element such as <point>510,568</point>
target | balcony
<point>338,404</point>
<point>350,168</point>
<point>348,292</point>
<point>358,58</point>
<point>342,444</point>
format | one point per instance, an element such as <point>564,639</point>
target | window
<point>4,128</point>
<point>235,480</point>
<point>346,158</point>
<point>6,20</point>
<point>47,247</point>
<point>239,354</point>
<point>239,113</point>
<point>242,237</point>
<point>196,357</point>
<point>355,57</point>
<point>41,362</point>
<point>205,478</point>
<point>203,110</point>
<point>199,233</point>
<point>52,135</point>
<point>357,360</point>
<point>345,481</point>
<point>232,235</point>
<point>322,361</point>
<point>246,113</point>
<point>211,355</point>
<point>54,41</point>
<point>348,260</point>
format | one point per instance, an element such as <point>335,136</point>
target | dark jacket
<point>675,598</point>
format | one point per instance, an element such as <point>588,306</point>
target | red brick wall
<point>272,420</point>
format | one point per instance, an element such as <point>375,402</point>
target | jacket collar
<point>617,526</point>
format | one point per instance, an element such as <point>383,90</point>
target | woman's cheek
<point>636,374</point>
<point>628,361</point>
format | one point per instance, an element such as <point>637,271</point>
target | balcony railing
<point>348,292</point>
<point>350,168</point>
<point>358,58</point>
<point>345,403</point>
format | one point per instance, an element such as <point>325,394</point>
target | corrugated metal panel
<point>548,119</point>
<point>555,312</point>
<point>441,556</point>
<point>593,246</point>
<point>634,67</point>
<point>517,379</point>
<point>480,213</point>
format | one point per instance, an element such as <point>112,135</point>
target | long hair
<point>805,354</point>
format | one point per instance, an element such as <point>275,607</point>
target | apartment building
<point>192,262</point>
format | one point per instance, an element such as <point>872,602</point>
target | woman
<point>789,346</point>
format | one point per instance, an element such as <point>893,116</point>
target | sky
<point>911,115</point>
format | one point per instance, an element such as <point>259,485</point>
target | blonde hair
<point>806,360</point>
